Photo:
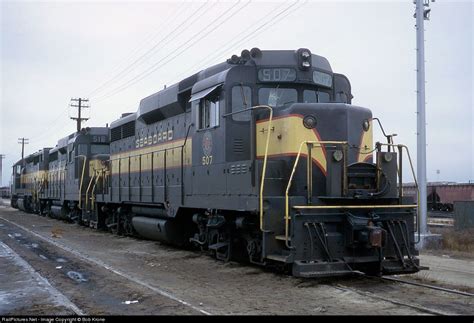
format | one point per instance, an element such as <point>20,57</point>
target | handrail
<point>99,175</point>
<point>416,184</point>
<point>87,190</point>
<point>152,152</point>
<point>287,208</point>
<point>265,157</point>
<point>182,164</point>
<point>262,181</point>
<point>82,179</point>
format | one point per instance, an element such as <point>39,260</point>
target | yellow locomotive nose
<point>287,132</point>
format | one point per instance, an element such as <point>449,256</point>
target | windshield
<point>99,149</point>
<point>277,97</point>
<point>311,96</point>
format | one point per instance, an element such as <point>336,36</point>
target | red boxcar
<point>441,196</point>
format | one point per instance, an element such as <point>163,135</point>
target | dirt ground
<point>107,271</point>
<point>455,242</point>
<point>23,290</point>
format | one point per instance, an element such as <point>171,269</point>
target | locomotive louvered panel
<point>235,169</point>
<point>238,169</point>
<point>238,146</point>
<point>128,129</point>
<point>115,134</point>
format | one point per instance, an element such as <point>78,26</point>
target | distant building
<point>5,192</point>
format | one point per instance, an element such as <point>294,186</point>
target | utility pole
<point>23,141</point>
<point>1,169</point>
<point>79,105</point>
<point>422,13</point>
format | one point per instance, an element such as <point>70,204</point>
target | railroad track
<point>447,290</point>
<point>420,308</point>
<point>116,271</point>
<point>411,305</point>
<point>441,222</point>
<point>398,300</point>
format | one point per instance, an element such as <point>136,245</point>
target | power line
<point>187,20</point>
<point>151,36</point>
<point>250,34</point>
<point>54,123</point>
<point>52,126</point>
<point>179,51</point>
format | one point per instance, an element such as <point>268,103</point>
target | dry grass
<point>456,240</point>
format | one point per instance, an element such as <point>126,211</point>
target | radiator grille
<point>115,134</point>
<point>124,131</point>
<point>238,146</point>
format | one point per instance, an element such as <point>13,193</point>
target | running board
<point>322,269</point>
<point>375,206</point>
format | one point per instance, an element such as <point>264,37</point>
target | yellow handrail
<point>82,179</point>
<point>414,178</point>
<point>262,181</point>
<point>87,190</point>
<point>99,175</point>
<point>287,208</point>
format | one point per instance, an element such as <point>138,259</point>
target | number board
<point>99,139</point>
<point>276,75</point>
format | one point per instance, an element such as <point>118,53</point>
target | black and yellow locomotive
<point>55,181</point>
<point>263,157</point>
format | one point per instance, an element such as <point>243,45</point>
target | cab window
<point>82,149</point>
<point>241,100</point>
<point>208,112</point>
<point>277,97</point>
<point>100,149</point>
<point>71,156</point>
<point>310,96</point>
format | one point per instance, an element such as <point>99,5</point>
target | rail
<point>309,146</point>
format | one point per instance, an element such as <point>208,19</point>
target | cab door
<point>208,162</point>
<point>239,140</point>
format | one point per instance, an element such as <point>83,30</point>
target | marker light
<point>387,157</point>
<point>337,155</point>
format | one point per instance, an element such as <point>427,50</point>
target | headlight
<point>387,157</point>
<point>366,125</point>
<point>309,122</point>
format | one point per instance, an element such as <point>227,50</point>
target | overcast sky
<point>116,53</point>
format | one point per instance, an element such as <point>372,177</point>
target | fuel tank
<point>164,230</point>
